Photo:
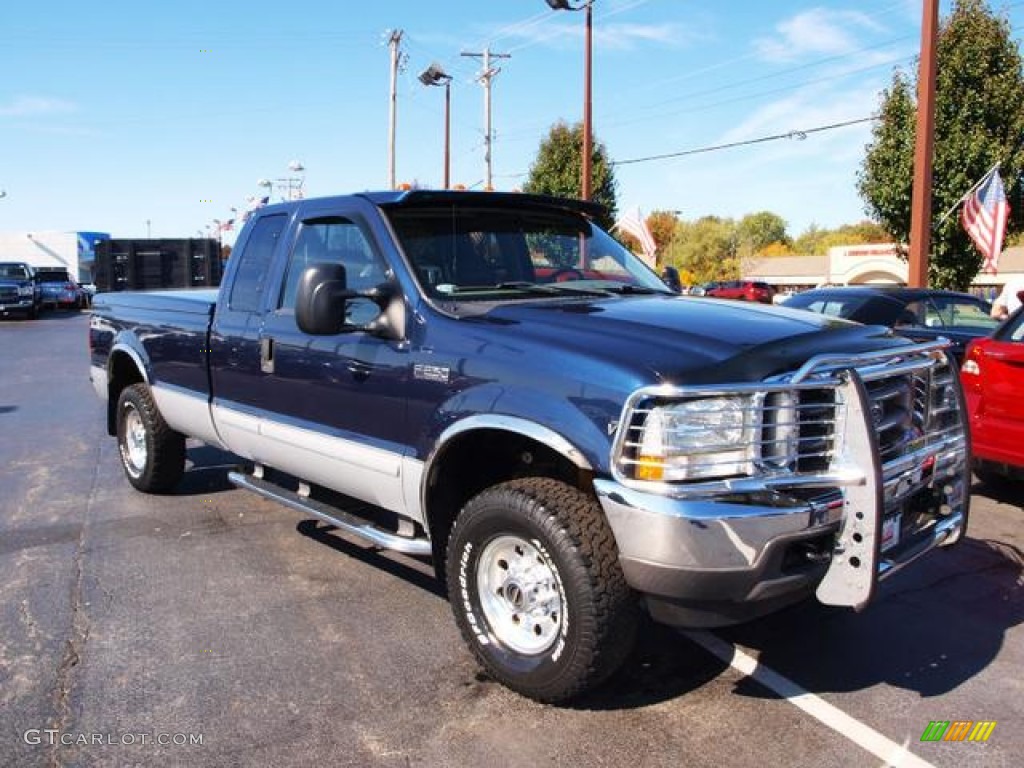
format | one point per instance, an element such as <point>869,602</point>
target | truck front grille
<point>797,421</point>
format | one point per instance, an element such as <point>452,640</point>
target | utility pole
<point>394,41</point>
<point>921,198</point>
<point>485,79</point>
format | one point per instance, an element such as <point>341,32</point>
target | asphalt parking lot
<point>213,628</point>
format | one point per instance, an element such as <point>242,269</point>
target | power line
<point>798,135</point>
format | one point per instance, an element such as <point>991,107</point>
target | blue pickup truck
<point>492,381</point>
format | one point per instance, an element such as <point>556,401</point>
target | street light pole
<point>586,161</point>
<point>434,75</point>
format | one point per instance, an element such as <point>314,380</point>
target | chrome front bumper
<point>707,555</point>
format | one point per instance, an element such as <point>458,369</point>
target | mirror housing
<point>670,276</point>
<point>321,304</point>
<point>320,300</point>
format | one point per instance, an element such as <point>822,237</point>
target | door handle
<point>266,354</point>
<point>359,370</point>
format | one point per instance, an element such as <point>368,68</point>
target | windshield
<point>498,254</point>
<point>14,271</point>
<point>53,276</point>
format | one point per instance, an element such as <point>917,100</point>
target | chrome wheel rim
<point>133,449</point>
<point>519,594</point>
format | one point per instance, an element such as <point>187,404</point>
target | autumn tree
<point>662,225</point>
<point>978,122</point>
<point>557,169</point>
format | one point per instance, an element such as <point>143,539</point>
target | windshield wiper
<point>551,289</point>
<point>631,288</point>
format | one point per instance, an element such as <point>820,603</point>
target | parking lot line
<point>860,734</point>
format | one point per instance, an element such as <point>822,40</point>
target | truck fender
<point>128,343</point>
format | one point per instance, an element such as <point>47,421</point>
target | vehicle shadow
<point>1003,490</point>
<point>414,570</point>
<point>929,629</point>
<point>207,471</point>
<point>664,665</point>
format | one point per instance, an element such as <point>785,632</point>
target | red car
<point>993,379</point>
<point>743,290</point>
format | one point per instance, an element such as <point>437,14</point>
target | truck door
<point>235,377</point>
<point>333,407</point>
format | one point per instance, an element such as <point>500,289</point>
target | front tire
<point>152,454</point>
<point>537,590</point>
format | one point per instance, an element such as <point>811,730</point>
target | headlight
<point>24,290</point>
<point>697,439</point>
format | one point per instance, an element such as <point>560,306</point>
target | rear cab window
<point>250,282</point>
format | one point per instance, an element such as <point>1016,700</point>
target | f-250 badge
<point>432,373</point>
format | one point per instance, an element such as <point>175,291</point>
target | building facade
<point>865,265</point>
<point>76,251</point>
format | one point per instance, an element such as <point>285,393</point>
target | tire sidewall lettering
<point>553,656</point>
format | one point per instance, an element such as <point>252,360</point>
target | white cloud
<point>617,36</point>
<point>816,31</point>
<point>35,106</point>
<point>627,36</point>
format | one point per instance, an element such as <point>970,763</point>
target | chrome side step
<point>357,526</point>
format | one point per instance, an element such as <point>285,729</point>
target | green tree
<point>705,249</point>
<point>756,231</point>
<point>978,122</point>
<point>558,167</point>
<point>817,241</point>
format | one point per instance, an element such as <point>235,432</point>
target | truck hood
<point>689,340</point>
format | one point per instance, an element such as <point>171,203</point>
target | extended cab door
<point>235,378</point>
<point>332,408</point>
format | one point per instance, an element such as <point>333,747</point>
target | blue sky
<point>114,114</point>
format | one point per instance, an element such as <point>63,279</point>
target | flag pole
<point>967,194</point>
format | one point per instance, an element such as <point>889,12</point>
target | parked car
<point>993,379</point>
<point>58,288</point>
<point>922,314</point>
<point>19,290</point>
<point>742,290</point>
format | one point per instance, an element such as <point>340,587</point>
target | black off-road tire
<point>152,454</point>
<point>566,537</point>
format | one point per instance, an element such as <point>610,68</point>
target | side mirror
<point>670,277</point>
<point>320,299</point>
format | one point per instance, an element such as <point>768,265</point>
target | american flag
<point>984,217</point>
<point>635,224</point>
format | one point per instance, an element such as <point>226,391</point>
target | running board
<point>357,526</point>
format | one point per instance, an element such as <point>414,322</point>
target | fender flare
<point>503,423</point>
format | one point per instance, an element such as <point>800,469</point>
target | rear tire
<point>537,590</point>
<point>152,454</point>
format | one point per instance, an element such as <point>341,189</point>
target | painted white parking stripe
<point>860,734</point>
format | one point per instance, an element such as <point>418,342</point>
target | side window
<point>332,240</point>
<point>254,262</point>
<point>918,313</point>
